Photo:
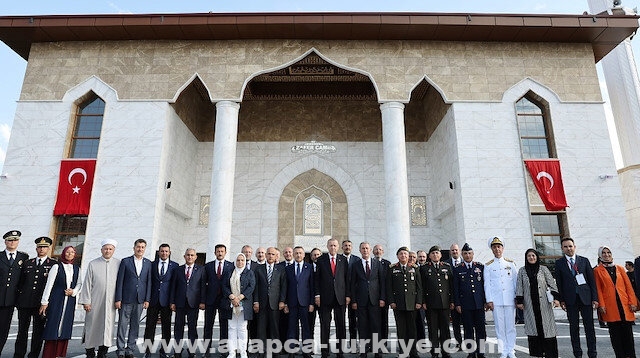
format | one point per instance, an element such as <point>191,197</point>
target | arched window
<point>88,125</point>
<point>537,142</point>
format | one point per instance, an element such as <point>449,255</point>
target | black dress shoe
<point>128,355</point>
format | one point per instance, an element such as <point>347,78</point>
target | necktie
<point>404,269</point>
<point>333,265</point>
<point>297,269</point>
<point>368,269</point>
<point>11,259</point>
<point>188,275</point>
<point>269,274</point>
<point>219,272</point>
<point>39,261</point>
<point>455,262</point>
<point>162,269</point>
<point>573,266</point>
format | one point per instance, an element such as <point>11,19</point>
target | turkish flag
<point>74,187</point>
<point>548,180</point>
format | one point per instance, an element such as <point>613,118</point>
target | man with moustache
<point>404,294</point>
<point>188,288</point>
<point>368,292</point>
<point>261,255</point>
<point>438,300</point>
<point>331,295</point>
<point>269,297</point>
<point>161,273</point>
<point>32,282</point>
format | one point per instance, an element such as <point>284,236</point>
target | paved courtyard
<point>564,342</point>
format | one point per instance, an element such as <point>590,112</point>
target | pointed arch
<point>92,84</point>
<point>430,83</point>
<point>353,193</point>
<point>196,80</point>
<point>312,50</point>
<point>527,85</point>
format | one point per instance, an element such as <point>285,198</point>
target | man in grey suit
<point>367,296</point>
<point>269,297</point>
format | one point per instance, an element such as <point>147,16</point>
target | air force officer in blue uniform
<point>468,297</point>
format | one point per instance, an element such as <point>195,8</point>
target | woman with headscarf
<point>239,291</point>
<point>58,304</point>
<point>617,302</point>
<point>534,281</point>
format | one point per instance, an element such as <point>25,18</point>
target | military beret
<point>402,248</point>
<point>496,241</point>
<point>12,235</point>
<point>43,241</point>
<point>466,247</point>
<point>434,248</point>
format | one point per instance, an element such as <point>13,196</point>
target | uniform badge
<point>20,263</point>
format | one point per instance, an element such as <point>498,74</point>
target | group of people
<point>269,300</point>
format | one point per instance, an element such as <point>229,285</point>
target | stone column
<point>395,175</point>
<point>223,175</point>
<point>623,85</point>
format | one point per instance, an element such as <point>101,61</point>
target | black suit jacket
<point>214,285</point>
<point>161,285</point>
<point>32,281</point>
<point>270,294</point>
<point>188,294</point>
<point>330,288</point>
<point>367,290</point>
<point>10,277</point>
<point>568,286</point>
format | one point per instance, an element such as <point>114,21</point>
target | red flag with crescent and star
<point>548,180</point>
<point>74,187</point>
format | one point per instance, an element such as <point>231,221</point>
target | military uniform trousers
<point>25,315</point>
<point>504,318</point>
<point>438,329</point>
<point>475,328</point>
<point>406,327</point>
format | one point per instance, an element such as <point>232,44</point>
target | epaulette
<point>22,252</point>
<point>393,265</point>
<point>446,263</point>
<point>415,265</point>
<point>489,263</point>
<point>508,260</point>
<point>479,263</point>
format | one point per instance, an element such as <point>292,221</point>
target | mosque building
<point>283,129</point>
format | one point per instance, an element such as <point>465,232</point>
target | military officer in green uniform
<point>438,300</point>
<point>404,293</point>
<point>32,281</point>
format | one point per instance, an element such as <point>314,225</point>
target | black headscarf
<point>532,269</point>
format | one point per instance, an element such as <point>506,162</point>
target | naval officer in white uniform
<point>500,276</point>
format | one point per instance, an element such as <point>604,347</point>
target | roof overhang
<point>603,31</point>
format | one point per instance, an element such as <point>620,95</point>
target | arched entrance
<point>312,208</point>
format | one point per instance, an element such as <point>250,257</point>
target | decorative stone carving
<point>313,147</point>
<point>418,210</point>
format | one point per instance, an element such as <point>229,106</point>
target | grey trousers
<point>128,319</point>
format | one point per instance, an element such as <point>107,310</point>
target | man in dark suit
<point>456,320</point>
<point>217,272</point>
<point>32,282</point>
<point>133,293</point>
<point>287,254</point>
<point>161,272</point>
<point>469,299</point>
<point>347,247</point>
<point>367,296</point>
<point>331,294</point>
<point>578,295</point>
<point>11,263</point>
<point>269,297</point>
<point>404,294</point>
<point>188,287</point>
<point>299,299</point>
<point>438,300</point>
<point>378,252</point>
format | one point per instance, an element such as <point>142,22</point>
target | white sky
<point>13,66</point>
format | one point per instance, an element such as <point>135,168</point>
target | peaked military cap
<point>402,248</point>
<point>43,241</point>
<point>496,241</point>
<point>434,248</point>
<point>12,235</point>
